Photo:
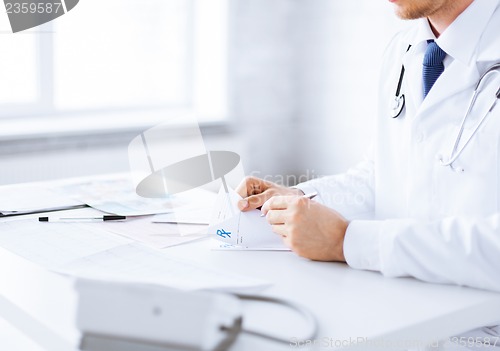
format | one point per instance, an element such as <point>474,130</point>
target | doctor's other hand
<point>255,192</point>
<point>310,229</point>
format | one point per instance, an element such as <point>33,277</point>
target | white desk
<point>349,304</point>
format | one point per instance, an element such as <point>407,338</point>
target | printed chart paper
<point>246,230</point>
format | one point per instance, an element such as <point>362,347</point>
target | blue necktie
<point>433,65</point>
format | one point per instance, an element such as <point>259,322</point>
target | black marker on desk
<point>83,219</point>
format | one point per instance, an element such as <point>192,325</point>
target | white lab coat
<point>410,216</point>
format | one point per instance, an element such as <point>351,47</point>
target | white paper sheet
<point>156,235</point>
<point>53,245</point>
<point>195,216</point>
<point>220,246</point>
<point>242,229</point>
<point>84,251</point>
<point>138,264</point>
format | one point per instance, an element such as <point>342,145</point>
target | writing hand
<point>255,192</point>
<point>310,229</point>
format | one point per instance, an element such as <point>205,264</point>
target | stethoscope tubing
<point>455,152</point>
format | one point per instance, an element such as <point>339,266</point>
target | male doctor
<point>402,212</point>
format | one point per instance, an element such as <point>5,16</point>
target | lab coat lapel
<point>489,55</point>
<point>455,78</point>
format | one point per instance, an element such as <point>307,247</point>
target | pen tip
<point>43,219</point>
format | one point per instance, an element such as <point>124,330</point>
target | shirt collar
<point>461,38</point>
<point>424,32</point>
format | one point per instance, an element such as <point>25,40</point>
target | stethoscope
<point>398,106</point>
<point>456,152</point>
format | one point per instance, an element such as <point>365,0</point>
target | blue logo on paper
<point>222,233</point>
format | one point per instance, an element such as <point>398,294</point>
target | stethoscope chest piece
<point>397,106</point>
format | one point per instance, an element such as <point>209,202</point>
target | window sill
<point>34,134</point>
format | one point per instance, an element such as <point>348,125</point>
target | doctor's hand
<point>310,229</point>
<point>255,192</point>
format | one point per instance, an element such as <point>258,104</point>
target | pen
<point>307,196</point>
<point>310,195</point>
<point>83,219</point>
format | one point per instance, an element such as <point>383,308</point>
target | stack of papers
<point>90,252</point>
<point>117,196</point>
<point>179,219</point>
<point>185,216</point>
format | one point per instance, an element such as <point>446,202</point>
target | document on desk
<point>156,235</point>
<point>24,197</point>
<point>117,196</point>
<point>200,216</point>
<point>241,230</point>
<point>87,251</point>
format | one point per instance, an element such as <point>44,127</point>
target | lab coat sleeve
<point>462,251</point>
<point>350,193</point>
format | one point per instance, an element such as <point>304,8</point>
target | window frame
<point>21,121</point>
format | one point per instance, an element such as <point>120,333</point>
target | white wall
<point>264,81</point>
<point>304,77</point>
<point>341,52</point>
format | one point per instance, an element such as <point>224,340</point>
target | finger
<point>277,203</point>
<point>241,189</point>
<point>244,189</point>
<point>276,217</point>
<point>280,229</point>
<point>254,201</point>
<point>252,186</point>
<point>243,205</point>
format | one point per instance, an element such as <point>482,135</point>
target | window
<point>107,62</point>
<point>18,86</point>
<point>133,55</point>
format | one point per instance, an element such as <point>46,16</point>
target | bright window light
<point>131,53</point>
<point>118,56</point>
<point>18,70</point>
